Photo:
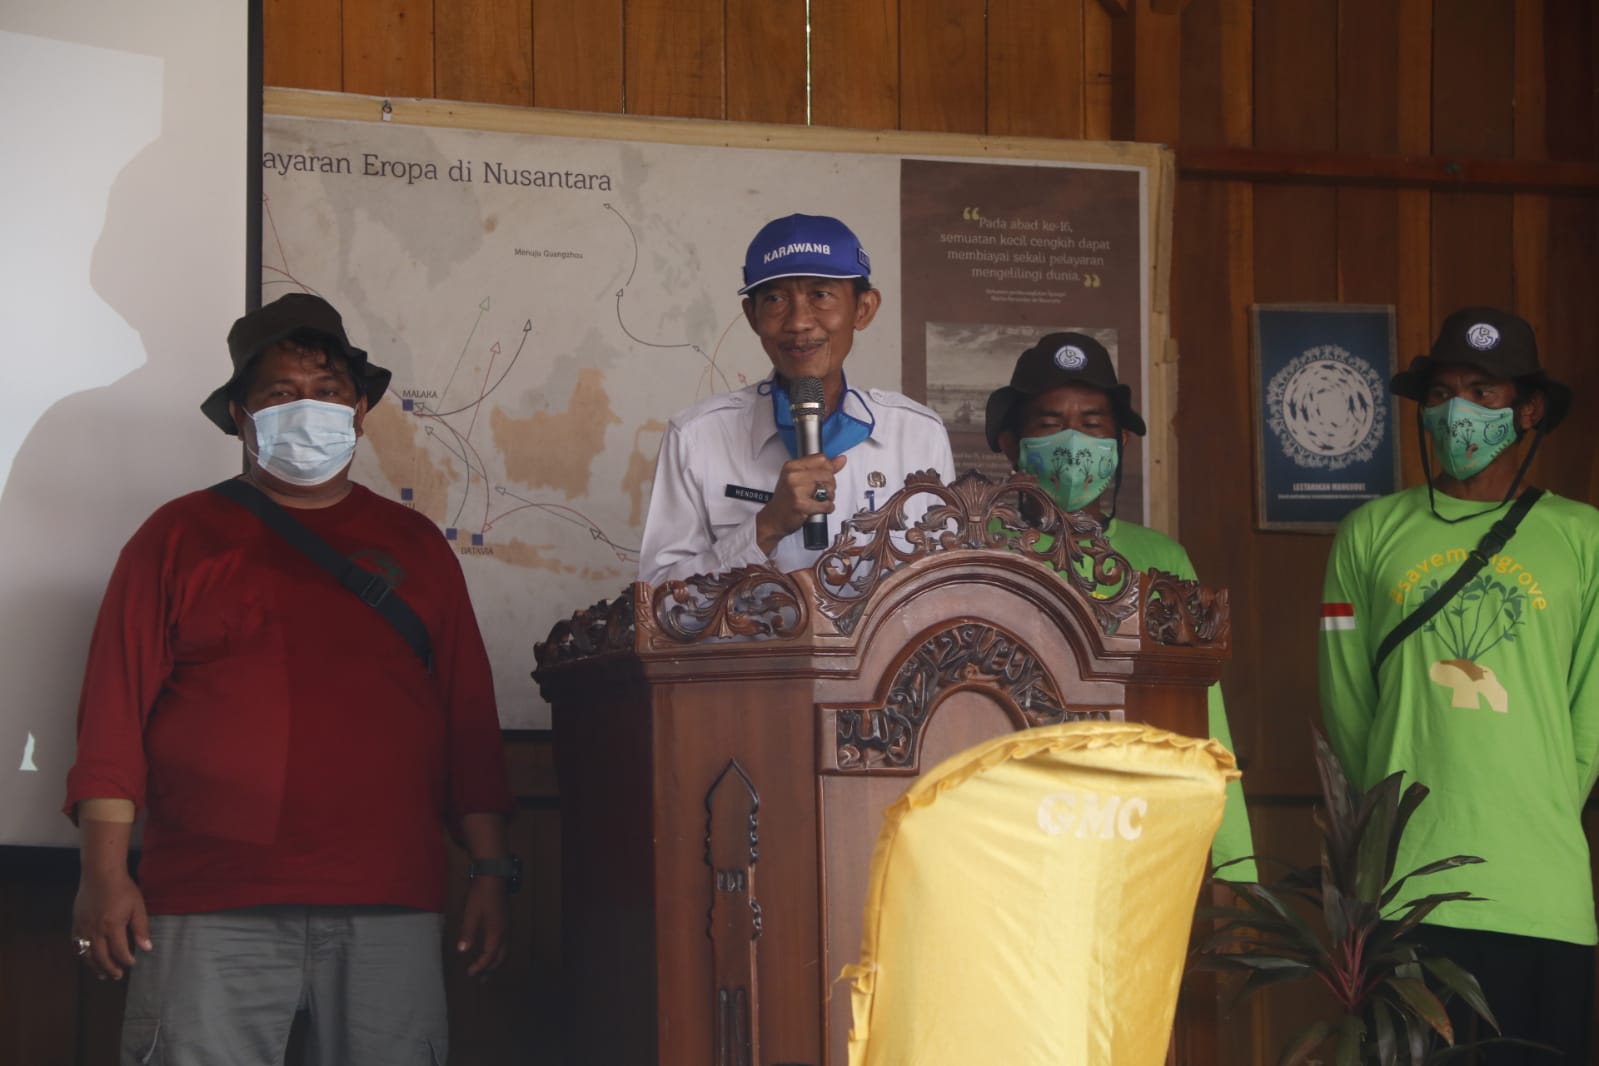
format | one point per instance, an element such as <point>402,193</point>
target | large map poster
<point>546,303</point>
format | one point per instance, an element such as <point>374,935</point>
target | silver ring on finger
<point>821,494</point>
<point>83,944</point>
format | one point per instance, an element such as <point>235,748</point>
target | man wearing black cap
<point>732,487</point>
<point>297,758</point>
<point>1065,418</point>
<point>1483,686</point>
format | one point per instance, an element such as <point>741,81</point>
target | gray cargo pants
<point>222,989</point>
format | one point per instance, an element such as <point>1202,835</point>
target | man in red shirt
<point>297,759</point>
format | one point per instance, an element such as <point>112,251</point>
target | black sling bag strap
<point>373,589</point>
<point>1491,544</point>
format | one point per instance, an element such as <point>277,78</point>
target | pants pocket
<point>141,1041</point>
<point>365,1046</point>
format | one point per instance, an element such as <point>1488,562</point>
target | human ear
<point>866,305</point>
<point>1530,413</point>
<point>1010,446</point>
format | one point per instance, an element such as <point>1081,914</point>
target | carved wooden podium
<point>726,747</point>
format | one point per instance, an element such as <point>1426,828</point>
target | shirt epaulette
<point>719,402</point>
<point>903,402</point>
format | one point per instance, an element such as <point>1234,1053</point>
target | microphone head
<point>806,396</point>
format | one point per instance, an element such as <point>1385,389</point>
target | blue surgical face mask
<point>306,442</point>
<point>1074,468</point>
<point>1466,437</point>
<point>840,431</point>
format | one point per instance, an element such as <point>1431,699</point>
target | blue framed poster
<point>1326,436</point>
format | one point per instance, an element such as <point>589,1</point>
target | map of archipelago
<point>545,304</point>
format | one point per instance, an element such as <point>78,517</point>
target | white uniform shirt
<point>719,463</point>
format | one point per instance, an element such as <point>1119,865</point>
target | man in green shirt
<point>1065,418</point>
<point>1493,703</point>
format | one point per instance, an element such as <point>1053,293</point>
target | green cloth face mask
<point>1074,468</point>
<point>1467,437</point>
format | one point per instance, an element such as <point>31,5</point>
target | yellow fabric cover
<point>1031,900</point>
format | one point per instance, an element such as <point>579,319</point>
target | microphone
<point>807,406</point>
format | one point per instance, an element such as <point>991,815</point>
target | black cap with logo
<point>1060,359</point>
<point>1495,342</point>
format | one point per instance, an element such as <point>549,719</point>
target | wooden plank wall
<point>1250,92</point>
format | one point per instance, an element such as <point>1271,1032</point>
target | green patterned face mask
<point>1074,468</point>
<point>1467,437</point>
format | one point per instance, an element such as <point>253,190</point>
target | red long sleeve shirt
<point>287,744</point>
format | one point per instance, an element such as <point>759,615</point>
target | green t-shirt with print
<point>1150,549</point>
<point>1493,704</point>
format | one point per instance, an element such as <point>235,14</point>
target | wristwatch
<point>509,867</point>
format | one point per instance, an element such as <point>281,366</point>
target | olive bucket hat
<point>298,316</point>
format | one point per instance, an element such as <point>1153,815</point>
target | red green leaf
<point>1459,981</point>
<point>1420,1000</point>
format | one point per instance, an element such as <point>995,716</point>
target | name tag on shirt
<point>740,492</point>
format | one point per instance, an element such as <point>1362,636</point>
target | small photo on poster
<point>1326,435</point>
<point>966,361</point>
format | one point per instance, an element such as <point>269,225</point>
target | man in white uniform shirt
<point>731,488</point>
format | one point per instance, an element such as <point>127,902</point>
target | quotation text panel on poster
<point>994,257</point>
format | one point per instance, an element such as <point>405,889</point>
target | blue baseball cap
<point>804,246</point>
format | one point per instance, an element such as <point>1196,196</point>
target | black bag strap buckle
<point>1498,535</point>
<point>374,589</point>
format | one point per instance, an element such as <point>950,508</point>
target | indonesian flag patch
<point>1337,616</point>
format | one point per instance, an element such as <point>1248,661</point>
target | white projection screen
<point>124,207</point>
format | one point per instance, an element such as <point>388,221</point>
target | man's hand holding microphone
<point>806,488</point>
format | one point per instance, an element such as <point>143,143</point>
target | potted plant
<point>1348,923</point>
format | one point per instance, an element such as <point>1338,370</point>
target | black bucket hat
<point>297,316</point>
<point>1061,359</point>
<point>1495,342</point>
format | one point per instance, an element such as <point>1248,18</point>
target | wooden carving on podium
<point>762,602</point>
<point>732,847</point>
<point>1185,612</point>
<point>751,602</point>
<point>885,737</point>
<point>606,626</point>
<point>984,514</point>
